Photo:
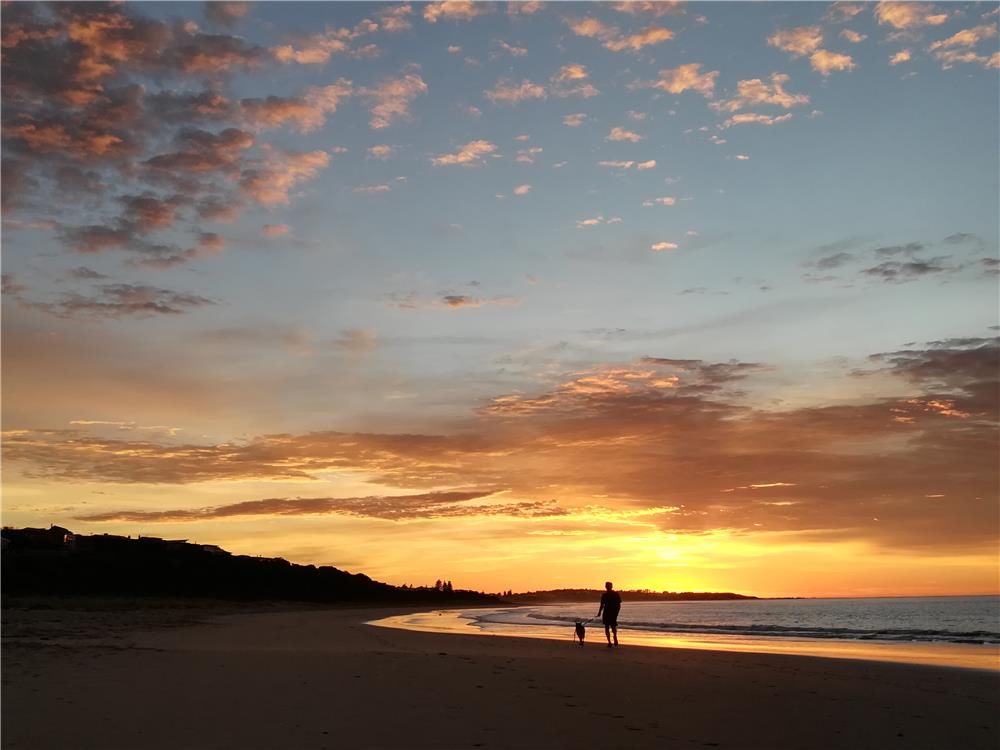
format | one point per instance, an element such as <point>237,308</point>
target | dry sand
<point>324,679</point>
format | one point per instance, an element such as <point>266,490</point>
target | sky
<point>687,296</point>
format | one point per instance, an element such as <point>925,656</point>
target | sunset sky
<point>528,295</point>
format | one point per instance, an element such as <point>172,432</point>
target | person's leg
<point>614,629</point>
<point>607,633</point>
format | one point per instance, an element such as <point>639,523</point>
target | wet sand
<point>325,679</point>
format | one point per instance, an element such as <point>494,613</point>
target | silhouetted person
<point>611,604</point>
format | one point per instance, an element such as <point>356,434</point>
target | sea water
<point>942,631</point>
<point>972,619</point>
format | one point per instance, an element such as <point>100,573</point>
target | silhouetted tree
<point>437,584</point>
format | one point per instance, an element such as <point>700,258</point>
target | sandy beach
<point>325,679</point>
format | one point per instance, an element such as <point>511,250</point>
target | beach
<point>323,678</point>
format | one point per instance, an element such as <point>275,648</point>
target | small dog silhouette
<point>581,632</point>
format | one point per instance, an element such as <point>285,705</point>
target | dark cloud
<point>94,117</point>
<point>82,273</point>
<point>899,272</point>
<point>10,287</point>
<point>910,248</point>
<point>960,238</point>
<point>393,508</point>
<point>660,431</point>
<point>833,261</point>
<point>121,301</point>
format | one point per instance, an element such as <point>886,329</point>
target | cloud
<point>116,301</point>
<point>900,57</point>
<point>570,72</point>
<point>951,57</point>
<point>471,154</point>
<point>910,248</point>
<point>226,13</point>
<point>906,15</point>
<point>591,222</point>
<point>683,78</point>
<point>655,8</point>
<point>390,508</point>
<point>381,152</point>
<point>275,230</point>
<point>391,99</point>
<point>755,92</point>
<point>269,181</point>
<point>747,118</point>
<point>380,188</point>
<point>612,37</point>
<point>575,120</point>
<point>651,164</point>
<point>571,80</point>
<point>114,130</point>
<point>798,42</point>
<point>617,429</point>
<point>840,11</point>
<point>957,48</point>
<point>853,36</point>
<point>506,91</point>
<point>521,8</point>
<point>357,340</point>
<point>276,111</point>
<point>522,190</point>
<point>967,37</point>
<point>664,201</point>
<point>741,157</point>
<point>527,155</point>
<point>825,62</point>
<point>616,164</point>
<point>621,134</point>
<point>396,18</point>
<point>900,272</point>
<point>635,42</point>
<point>663,246</point>
<point>455,10</point>
<point>833,261</point>
<point>512,50</point>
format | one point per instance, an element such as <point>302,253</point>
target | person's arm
<point>601,608</point>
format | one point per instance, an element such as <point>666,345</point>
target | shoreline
<point>985,657</point>
<point>322,678</point>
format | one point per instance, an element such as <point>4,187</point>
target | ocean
<point>967,619</point>
<point>943,631</point>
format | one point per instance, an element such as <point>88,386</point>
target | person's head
<point>608,585</point>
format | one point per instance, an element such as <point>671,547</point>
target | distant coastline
<point>59,562</point>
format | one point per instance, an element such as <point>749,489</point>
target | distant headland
<point>59,562</point>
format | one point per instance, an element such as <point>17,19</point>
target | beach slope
<point>325,679</point>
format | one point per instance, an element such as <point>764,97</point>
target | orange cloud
<point>506,91</point>
<point>392,98</point>
<point>900,57</point>
<point>798,42</point>
<point>906,15</point>
<point>745,118</point>
<point>754,92</point>
<point>683,78</point>
<point>471,154</point>
<point>275,230</point>
<point>455,10</point>
<point>621,134</point>
<point>826,62</point>
<point>269,181</point>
